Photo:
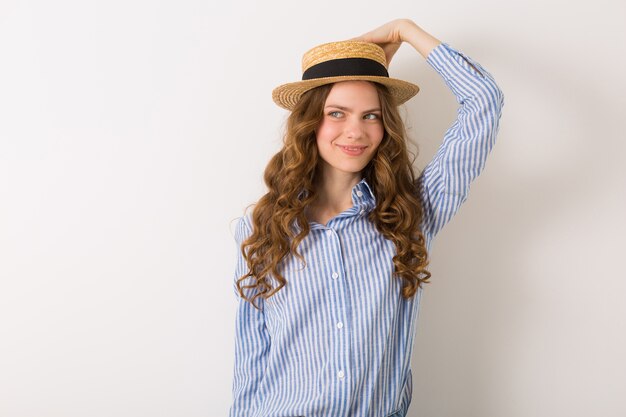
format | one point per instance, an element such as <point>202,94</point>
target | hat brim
<point>288,95</point>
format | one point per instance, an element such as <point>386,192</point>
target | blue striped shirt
<point>337,339</point>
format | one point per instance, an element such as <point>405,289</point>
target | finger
<point>390,51</point>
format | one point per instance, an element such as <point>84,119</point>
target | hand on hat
<point>389,36</point>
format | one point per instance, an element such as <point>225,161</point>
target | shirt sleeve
<point>252,339</point>
<point>444,183</point>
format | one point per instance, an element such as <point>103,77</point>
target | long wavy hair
<point>294,169</point>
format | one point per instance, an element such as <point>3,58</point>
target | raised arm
<point>444,183</point>
<point>252,340</point>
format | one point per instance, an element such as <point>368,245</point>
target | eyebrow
<point>349,110</point>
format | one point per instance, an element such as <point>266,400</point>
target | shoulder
<point>243,226</point>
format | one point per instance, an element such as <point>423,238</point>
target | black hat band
<point>345,66</point>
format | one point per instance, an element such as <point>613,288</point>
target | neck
<point>334,190</point>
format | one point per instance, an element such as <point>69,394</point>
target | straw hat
<point>342,61</point>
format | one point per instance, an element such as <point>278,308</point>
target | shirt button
<point>335,275</point>
<point>362,211</point>
<point>329,232</point>
<point>339,325</point>
<point>359,193</point>
<point>340,374</point>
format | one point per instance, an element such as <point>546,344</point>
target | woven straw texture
<point>287,95</point>
<point>344,49</point>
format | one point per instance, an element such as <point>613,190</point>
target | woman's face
<point>352,127</point>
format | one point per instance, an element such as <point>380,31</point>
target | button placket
<point>341,342</point>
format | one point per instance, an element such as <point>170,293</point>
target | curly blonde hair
<point>397,215</point>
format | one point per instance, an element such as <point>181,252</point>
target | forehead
<point>355,93</point>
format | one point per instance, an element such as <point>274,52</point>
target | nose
<point>353,129</point>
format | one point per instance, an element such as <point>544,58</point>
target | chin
<point>352,170</point>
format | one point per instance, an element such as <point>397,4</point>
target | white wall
<point>132,133</point>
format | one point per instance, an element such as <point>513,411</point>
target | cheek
<point>326,133</point>
<point>377,133</point>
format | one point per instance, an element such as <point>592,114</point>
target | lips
<point>352,150</point>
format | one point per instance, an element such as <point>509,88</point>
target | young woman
<point>332,259</point>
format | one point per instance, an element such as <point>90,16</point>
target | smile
<point>353,150</point>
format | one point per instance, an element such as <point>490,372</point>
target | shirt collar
<point>362,194</point>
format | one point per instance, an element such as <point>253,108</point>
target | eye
<point>335,114</point>
<point>375,116</point>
